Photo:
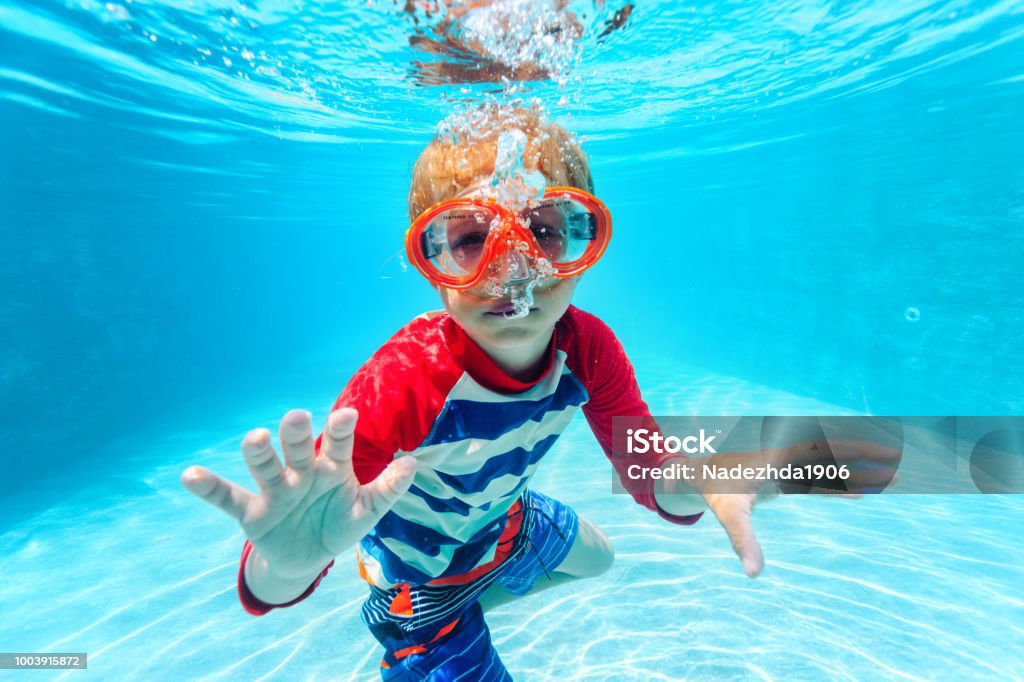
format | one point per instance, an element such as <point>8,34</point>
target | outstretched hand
<point>312,507</point>
<point>870,467</point>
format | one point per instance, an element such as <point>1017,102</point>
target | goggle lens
<point>564,229</point>
<point>454,240</point>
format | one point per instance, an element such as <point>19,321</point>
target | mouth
<point>503,309</point>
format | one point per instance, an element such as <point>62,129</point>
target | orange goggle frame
<point>510,231</point>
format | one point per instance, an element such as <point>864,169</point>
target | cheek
<point>561,289</point>
<point>556,300</point>
<point>458,303</point>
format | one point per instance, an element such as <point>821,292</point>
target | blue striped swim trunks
<point>441,635</point>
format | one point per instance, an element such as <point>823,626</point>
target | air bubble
<point>117,11</point>
<point>912,314</point>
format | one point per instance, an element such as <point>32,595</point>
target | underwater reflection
<point>493,41</point>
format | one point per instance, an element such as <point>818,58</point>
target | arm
<point>599,360</point>
<point>619,396</point>
<point>608,376</point>
<point>394,400</point>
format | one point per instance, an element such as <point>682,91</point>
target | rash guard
<point>478,436</point>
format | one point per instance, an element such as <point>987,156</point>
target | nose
<point>513,266</point>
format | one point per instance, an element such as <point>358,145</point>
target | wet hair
<point>466,145</point>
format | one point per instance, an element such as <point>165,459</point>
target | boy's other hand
<point>871,468</point>
<point>310,508</point>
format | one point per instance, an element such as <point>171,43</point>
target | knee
<point>605,556</point>
<point>596,551</point>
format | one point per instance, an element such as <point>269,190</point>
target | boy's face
<point>483,317</point>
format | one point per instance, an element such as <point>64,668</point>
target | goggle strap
<point>589,232</point>
<point>428,246</point>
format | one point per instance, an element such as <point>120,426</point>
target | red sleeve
<point>597,358</point>
<point>398,393</point>
<point>252,603</point>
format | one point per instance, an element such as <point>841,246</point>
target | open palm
<point>311,507</point>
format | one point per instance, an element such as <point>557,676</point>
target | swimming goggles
<point>454,243</point>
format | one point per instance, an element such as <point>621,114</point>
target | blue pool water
<point>817,210</point>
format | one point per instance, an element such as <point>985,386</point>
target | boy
<point>455,412</point>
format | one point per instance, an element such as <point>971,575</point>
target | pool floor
<point>892,587</point>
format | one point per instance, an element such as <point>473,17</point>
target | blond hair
<point>466,145</point>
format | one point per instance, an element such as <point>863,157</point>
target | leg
<point>591,555</point>
<point>460,651</point>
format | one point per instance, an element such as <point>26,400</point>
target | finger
<point>261,459</point>
<point>737,524</point>
<point>223,494</point>
<point>380,494</point>
<point>296,434</point>
<point>337,441</point>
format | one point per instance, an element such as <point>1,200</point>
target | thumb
<point>382,492</point>
<point>736,520</point>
